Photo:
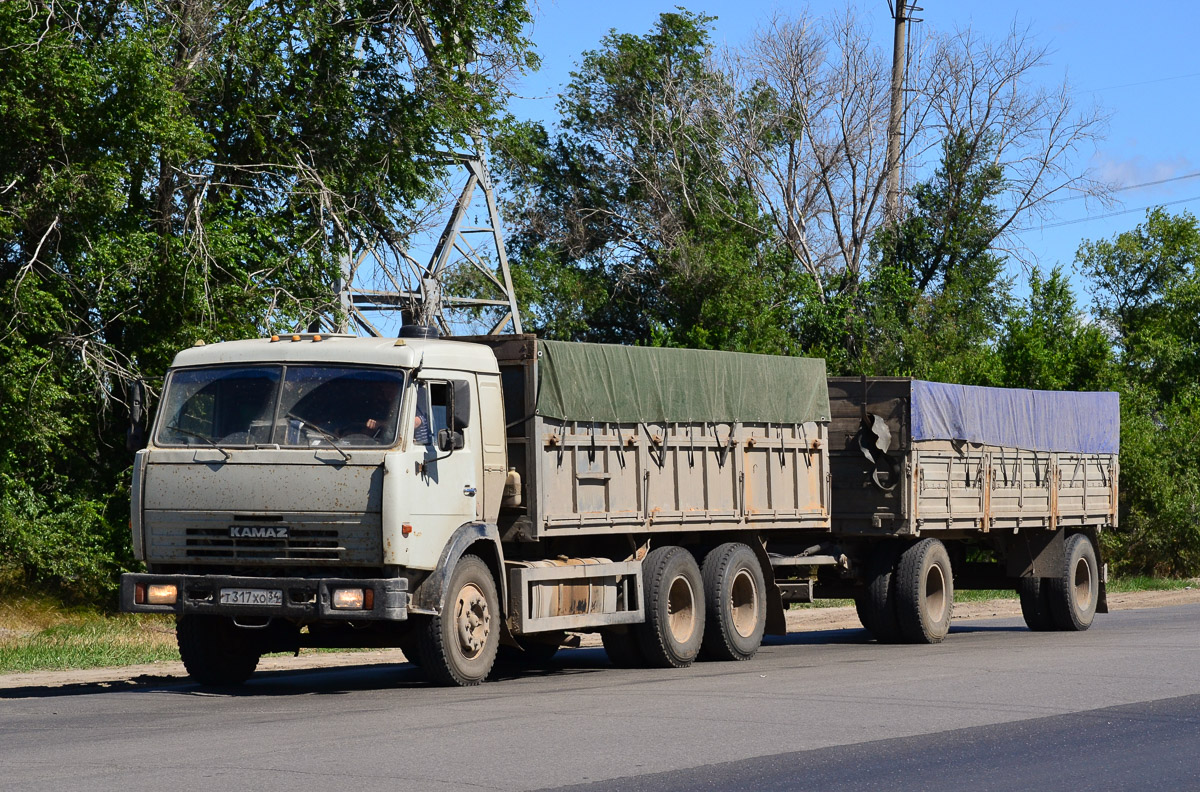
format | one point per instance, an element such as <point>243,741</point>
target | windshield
<point>295,406</point>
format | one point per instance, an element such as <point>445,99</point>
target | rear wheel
<point>876,605</point>
<point>924,592</point>
<point>1035,604</point>
<point>734,603</point>
<point>458,646</point>
<point>1073,594</point>
<point>214,650</point>
<point>673,593</point>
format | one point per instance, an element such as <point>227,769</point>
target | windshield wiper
<point>198,436</point>
<point>322,432</point>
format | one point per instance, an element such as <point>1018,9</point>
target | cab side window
<point>432,404</point>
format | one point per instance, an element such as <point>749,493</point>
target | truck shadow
<point>337,680</point>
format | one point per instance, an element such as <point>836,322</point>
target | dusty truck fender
<point>429,597</point>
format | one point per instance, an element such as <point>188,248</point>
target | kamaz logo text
<point>258,531</point>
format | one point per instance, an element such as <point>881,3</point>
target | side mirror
<point>448,440</point>
<point>135,435</point>
<point>461,404</point>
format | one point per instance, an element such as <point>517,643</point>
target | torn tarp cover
<point>1087,423</point>
<point>623,384</point>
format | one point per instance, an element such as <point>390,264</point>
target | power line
<point>1112,214</point>
<point>1142,82</point>
<point>1131,187</point>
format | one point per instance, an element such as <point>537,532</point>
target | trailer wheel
<point>924,592</point>
<point>1076,590</point>
<point>622,647</point>
<point>876,605</point>
<point>214,651</point>
<point>673,593</point>
<point>1035,604</point>
<point>458,646</point>
<point>735,603</point>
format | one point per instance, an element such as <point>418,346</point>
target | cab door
<point>430,488</point>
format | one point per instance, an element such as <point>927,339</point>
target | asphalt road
<point>994,707</point>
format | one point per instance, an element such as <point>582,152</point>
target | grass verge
<point>38,634</point>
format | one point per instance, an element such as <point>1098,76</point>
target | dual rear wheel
<point>1067,601</point>
<point>717,611</point>
<point>909,597</point>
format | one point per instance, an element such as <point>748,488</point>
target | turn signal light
<point>405,529</point>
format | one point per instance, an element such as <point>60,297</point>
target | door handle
<point>469,491</point>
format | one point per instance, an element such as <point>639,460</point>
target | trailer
<point>940,485</point>
<point>468,498</point>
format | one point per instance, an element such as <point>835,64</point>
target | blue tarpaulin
<point>1088,423</point>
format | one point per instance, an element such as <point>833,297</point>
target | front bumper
<point>304,599</point>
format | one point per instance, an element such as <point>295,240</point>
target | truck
<point>466,498</point>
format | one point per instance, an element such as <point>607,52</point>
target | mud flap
<point>776,618</point>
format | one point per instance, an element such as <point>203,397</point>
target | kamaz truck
<point>459,498</point>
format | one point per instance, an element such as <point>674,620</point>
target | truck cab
<point>313,484</point>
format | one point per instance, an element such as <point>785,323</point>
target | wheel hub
<point>472,619</point>
<point>935,593</point>
<point>681,609</point>
<point>743,603</point>
<point>1082,584</point>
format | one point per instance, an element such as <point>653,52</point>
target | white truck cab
<point>312,477</point>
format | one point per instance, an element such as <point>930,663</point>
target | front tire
<point>735,603</point>
<point>673,593</point>
<point>458,646</point>
<point>214,650</point>
<point>1075,592</point>
<point>924,592</point>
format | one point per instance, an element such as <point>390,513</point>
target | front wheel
<point>214,650</point>
<point>1075,591</point>
<point>458,646</point>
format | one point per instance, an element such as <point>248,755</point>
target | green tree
<point>625,227</point>
<point>183,169</point>
<point>1146,285</point>
<point>936,294</point>
<point>1048,345</point>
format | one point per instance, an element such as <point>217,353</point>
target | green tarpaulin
<point>621,384</point>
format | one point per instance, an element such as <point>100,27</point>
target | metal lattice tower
<point>420,293</point>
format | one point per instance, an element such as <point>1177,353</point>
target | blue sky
<point>1139,61</point>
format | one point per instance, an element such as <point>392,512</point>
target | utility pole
<point>901,12</point>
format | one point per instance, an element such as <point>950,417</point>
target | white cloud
<point>1139,170</point>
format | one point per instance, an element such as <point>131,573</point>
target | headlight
<point>161,594</point>
<point>350,599</point>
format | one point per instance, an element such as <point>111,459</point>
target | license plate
<point>251,597</point>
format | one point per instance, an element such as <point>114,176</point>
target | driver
<point>379,404</point>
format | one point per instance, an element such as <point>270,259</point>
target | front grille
<point>302,544</point>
